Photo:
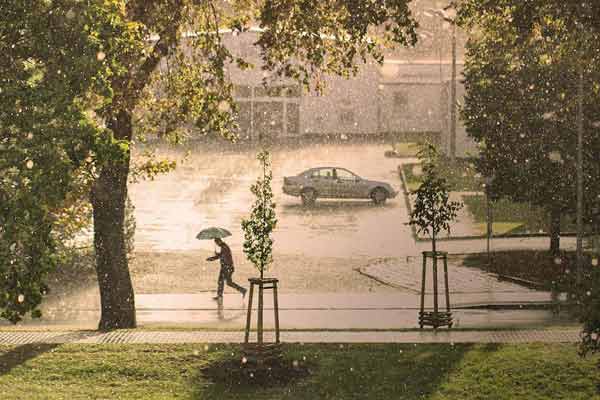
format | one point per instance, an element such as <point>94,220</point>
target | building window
<point>278,91</point>
<point>243,118</point>
<point>293,91</point>
<point>262,91</point>
<point>347,117</point>
<point>242,91</point>
<point>293,118</point>
<point>268,119</point>
<point>400,100</point>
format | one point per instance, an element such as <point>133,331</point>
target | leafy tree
<point>99,61</point>
<point>433,211</point>
<point>590,300</point>
<point>258,245</point>
<point>47,70</point>
<point>522,68</point>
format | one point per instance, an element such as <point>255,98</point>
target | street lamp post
<point>453,96</point>
<point>489,230</point>
<point>444,15</point>
<point>489,221</point>
<point>580,178</point>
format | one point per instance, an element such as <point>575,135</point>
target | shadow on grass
<point>232,372</point>
<point>356,371</point>
<point>538,266</point>
<point>19,355</point>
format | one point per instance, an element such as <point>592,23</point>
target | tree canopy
<point>48,71</point>
<point>523,64</point>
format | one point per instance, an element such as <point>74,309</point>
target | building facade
<point>407,97</point>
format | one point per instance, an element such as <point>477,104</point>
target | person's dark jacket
<point>224,256</point>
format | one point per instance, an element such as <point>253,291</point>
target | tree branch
<point>132,85</point>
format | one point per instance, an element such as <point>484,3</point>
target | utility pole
<point>580,176</point>
<point>444,15</point>
<point>453,96</point>
<point>489,221</point>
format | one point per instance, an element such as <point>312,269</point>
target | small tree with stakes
<point>258,247</point>
<point>432,213</point>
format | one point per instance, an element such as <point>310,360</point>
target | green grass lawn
<point>509,217</point>
<point>403,149</point>
<point>391,371</point>
<point>460,174</point>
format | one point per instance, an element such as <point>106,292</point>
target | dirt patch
<point>540,267</point>
<point>235,372</point>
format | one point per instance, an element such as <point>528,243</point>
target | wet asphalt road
<point>212,188</point>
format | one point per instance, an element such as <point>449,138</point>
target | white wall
<point>347,106</point>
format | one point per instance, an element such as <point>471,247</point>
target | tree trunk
<point>555,231</point>
<point>109,195</point>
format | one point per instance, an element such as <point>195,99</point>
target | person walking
<point>227,269</point>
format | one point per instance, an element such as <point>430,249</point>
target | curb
<point>526,305</point>
<point>449,336</point>
<point>381,281</point>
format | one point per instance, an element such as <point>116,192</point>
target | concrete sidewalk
<point>318,311</point>
<point>469,246</point>
<point>406,273</point>
<point>165,337</point>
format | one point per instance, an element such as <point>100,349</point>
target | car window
<point>323,173</point>
<point>343,174</point>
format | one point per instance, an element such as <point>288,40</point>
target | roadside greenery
<point>527,70</point>
<point>349,371</point>
<point>46,141</point>
<point>532,90</point>
<point>460,174</point>
<point>432,211</point>
<point>511,217</point>
<point>403,150</point>
<point>508,217</point>
<point>544,270</point>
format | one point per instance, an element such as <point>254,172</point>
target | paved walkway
<point>337,311</point>
<point>469,246</point>
<point>164,337</point>
<point>406,273</point>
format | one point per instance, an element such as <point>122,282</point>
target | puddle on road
<point>212,189</point>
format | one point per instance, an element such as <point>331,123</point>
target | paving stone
<point>406,273</point>
<point>181,337</point>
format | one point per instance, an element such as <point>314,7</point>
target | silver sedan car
<point>335,183</point>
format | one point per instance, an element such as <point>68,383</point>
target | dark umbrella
<point>212,233</point>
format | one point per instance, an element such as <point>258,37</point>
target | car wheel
<point>309,196</point>
<point>379,196</point>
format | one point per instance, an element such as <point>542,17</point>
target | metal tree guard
<point>435,318</point>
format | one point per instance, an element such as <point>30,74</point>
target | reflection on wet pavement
<point>212,189</point>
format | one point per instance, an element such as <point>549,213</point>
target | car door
<point>346,184</point>
<point>322,180</point>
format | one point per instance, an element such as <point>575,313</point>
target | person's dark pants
<point>225,276</point>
